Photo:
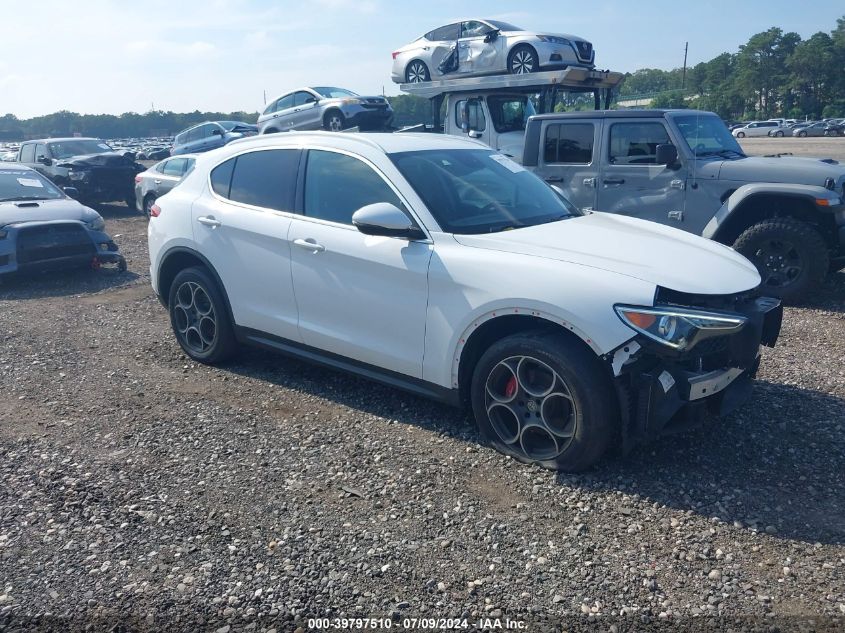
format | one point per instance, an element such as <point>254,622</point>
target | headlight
<point>77,175</point>
<point>350,101</point>
<point>554,39</point>
<point>680,329</point>
<point>97,224</point>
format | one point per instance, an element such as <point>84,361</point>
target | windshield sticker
<point>30,182</point>
<point>506,162</point>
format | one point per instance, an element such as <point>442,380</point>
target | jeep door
<point>569,158</point>
<point>631,182</point>
<point>360,296</point>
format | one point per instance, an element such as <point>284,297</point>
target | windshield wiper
<point>720,152</point>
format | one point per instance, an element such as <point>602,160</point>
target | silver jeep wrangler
<point>683,168</point>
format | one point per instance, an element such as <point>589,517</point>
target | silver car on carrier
<point>484,47</point>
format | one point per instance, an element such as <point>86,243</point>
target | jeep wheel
<point>791,255</point>
<point>199,317</point>
<point>544,399</point>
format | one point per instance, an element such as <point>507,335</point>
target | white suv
<point>437,265</point>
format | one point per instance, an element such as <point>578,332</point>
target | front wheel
<point>740,134</point>
<point>523,60</point>
<point>545,399</point>
<point>790,255</point>
<point>334,121</point>
<point>778,134</point>
<point>802,134</point>
<point>199,317</point>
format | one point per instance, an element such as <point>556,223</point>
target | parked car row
<point>789,127</point>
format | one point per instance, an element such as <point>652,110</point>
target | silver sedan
<point>486,47</point>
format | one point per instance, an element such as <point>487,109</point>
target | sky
<point>114,56</point>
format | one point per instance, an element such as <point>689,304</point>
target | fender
<point>458,346</point>
<point>809,193</point>
<point>174,250</point>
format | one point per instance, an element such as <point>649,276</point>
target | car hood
<point>107,159</point>
<point>656,254</point>
<point>568,36</point>
<point>791,169</point>
<point>45,211</point>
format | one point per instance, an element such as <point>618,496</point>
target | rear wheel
<point>417,72</point>
<point>740,134</point>
<point>199,317</point>
<point>802,134</point>
<point>544,399</point>
<point>779,134</point>
<point>790,255</point>
<point>523,60</point>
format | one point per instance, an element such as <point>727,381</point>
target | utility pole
<point>265,96</point>
<point>684,76</point>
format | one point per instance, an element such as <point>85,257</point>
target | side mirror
<point>310,100</point>
<point>73,192</point>
<point>44,160</point>
<point>217,132</point>
<point>387,220</point>
<point>667,154</point>
<point>465,116</point>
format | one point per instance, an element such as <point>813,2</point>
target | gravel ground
<point>815,146</point>
<point>141,488</point>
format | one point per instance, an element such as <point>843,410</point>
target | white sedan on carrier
<point>483,47</point>
<point>439,266</point>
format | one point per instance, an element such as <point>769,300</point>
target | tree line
<point>773,74</point>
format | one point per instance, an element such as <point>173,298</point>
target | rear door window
<point>636,143</point>
<point>284,103</point>
<point>569,143</point>
<point>337,185</point>
<point>266,179</point>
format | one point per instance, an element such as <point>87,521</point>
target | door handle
<point>554,179</point>
<point>157,181</point>
<point>589,182</point>
<point>209,221</point>
<point>309,245</point>
<point>614,181</point>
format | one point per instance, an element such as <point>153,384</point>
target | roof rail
<point>573,79</point>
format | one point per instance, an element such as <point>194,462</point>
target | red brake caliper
<point>510,388</point>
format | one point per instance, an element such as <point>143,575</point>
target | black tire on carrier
<point>791,256</point>
<point>417,72</point>
<point>522,60</point>
<point>334,121</point>
<point>545,398</point>
<point>199,317</point>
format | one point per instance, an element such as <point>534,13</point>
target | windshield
<point>334,93</point>
<point>26,185</point>
<point>66,149</point>
<point>707,135</point>
<point>479,191</point>
<point>504,26</point>
<point>510,114</point>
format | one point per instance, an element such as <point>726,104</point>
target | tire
<point>149,201</point>
<point>334,121</point>
<point>581,392</point>
<point>523,60</point>
<point>802,135</point>
<point>199,317</point>
<point>417,72</point>
<point>791,255</point>
<point>740,134</point>
<point>779,134</point>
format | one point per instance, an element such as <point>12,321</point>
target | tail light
<point>155,211</point>
<point>395,54</point>
<point>138,179</point>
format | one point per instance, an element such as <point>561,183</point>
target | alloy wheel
<point>522,62</point>
<point>779,263</point>
<point>194,318</point>
<point>417,73</point>
<point>530,407</point>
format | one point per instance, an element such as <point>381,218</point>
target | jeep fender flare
<point>733,206</point>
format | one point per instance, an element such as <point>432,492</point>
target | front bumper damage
<point>662,391</point>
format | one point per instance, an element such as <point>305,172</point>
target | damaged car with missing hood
<point>42,228</point>
<point>89,165</point>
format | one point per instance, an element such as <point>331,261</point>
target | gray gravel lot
<point>140,487</point>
